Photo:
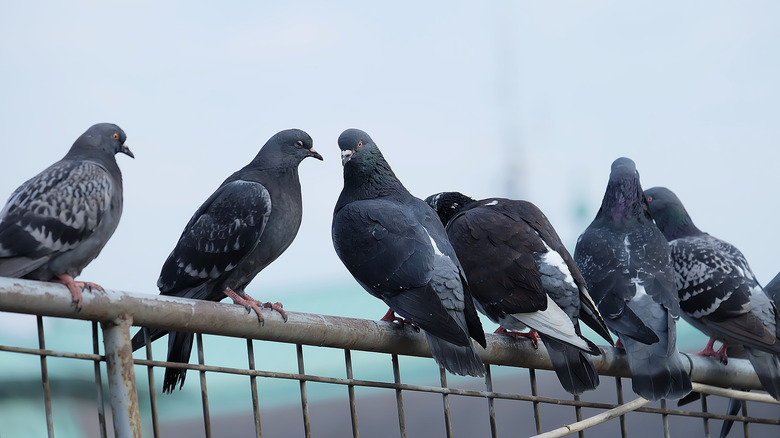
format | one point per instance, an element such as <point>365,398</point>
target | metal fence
<point>466,406</point>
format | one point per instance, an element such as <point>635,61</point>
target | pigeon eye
<point>360,144</point>
<point>649,198</point>
<point>299,144</point>
<point>115,136</point>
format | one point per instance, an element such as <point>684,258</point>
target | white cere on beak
<point>345,156</point>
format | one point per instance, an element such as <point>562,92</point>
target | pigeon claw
<point>278,307</point>
<point>248,302</point>
<point>75,288</point>
<point>532,335</point>
<point>390,316</point>
<point>720,355</point>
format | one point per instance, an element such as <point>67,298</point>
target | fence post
<point>121,377</point>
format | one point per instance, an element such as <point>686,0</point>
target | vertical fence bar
<point>204,393</point>
<point>152,393</point>
<point>535,393</point>
<point>253,384</point>
<point>665,419</point>
<point>746,423</point>
<point>99,383</point>
<point>351,393</point>
<point>45,380</point>
<point>121,377</point>
<point>399,401</point>
<point>304,397</point>
<point>491,402</point>
<point>705,418</point>
<point>619,389</point>
<point>578,415</point>
<point>446,399</point>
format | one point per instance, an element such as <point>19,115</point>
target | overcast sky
<point>522,99</point>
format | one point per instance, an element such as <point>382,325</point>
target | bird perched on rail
<point>521,275</point>
<point>397,250</point>
<point>247,223</point>
<point>719,294</point>
<point>626,263</point>
<point>58,221</point>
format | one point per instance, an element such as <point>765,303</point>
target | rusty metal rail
<point>116,311</point>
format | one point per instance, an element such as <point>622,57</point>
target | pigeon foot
<point>249,303</point>
<point>75,288</point>
<point>533,335</point>
<point>276,306</point>
<point>720,355</point>
<point>395,319</point>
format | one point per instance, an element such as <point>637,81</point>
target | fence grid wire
<point>114,311</point>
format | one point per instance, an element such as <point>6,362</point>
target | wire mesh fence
<point>320,375</point>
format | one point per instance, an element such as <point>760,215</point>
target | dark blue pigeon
<point>397,250</point>
<point>247,223</point>
<point>521,275</point>
<point>627,267</point>
<point>59,220</point>
<point>719,294</point>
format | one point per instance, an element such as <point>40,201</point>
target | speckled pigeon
<point>521,275</point>
<point>58,221</point>
<point>719,294</point>
<point>627,267</point>
<point>396,248</point>
<point>239,230</point>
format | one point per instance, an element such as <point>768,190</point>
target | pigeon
<point>396,248</point>
<point>58,221</point>
<point>246,224</point>
<point>521,275</point>
<point>772,289</point>
<point>626,263</point>
<point>719,294</point>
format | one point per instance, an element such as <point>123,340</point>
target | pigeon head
<point>286,149</point>
<point>355,143</point>
<point>102,138</point>
<point>670,214</point>
<point>447,204</point>
<point>623,198</point>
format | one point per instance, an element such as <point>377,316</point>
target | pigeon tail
<point>767,367</point>
<point>179,349</point>
<point>461,360</point>
<point>735,405</point>
<point>139,340</point>
<point>574,369</point>
<point>655,374</point>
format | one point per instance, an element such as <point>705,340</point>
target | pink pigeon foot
<point>533,335</point>
<point>75,288</point>
<point>720,355</point>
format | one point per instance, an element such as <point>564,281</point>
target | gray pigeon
<point>397,250</point>
<point>58,221</point>
<point>239,230</point>
<point>521,275</point>
<point>627,266</point>
<point>719,294</point>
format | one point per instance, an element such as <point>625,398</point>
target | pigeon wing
<point>224,230</point>
<point>391,255</point>
<point>54,212</point>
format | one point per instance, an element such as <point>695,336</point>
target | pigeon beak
<point>345,156</point>
<point>126,150</point>
<point>315,154</point>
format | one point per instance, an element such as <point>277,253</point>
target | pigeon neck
<point>624,200</point>
<point>369,182</point>
<point>676,223</point>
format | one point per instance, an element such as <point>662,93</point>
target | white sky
<point>457,94</point>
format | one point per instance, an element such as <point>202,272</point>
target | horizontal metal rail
<point>49,299</point>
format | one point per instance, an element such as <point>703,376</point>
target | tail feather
<point>656,375</point>
<point>179,349</point>
<point>139,340</point>
<point>734,407</point>
<point>461,360</point>
<point>574,369</point>
<point>767,367</point>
